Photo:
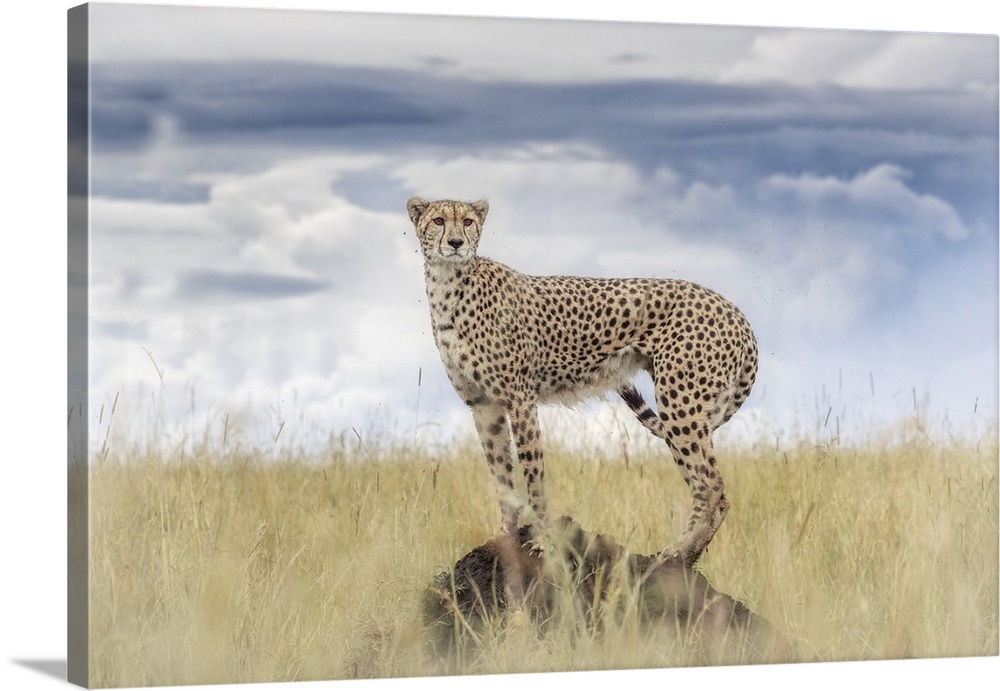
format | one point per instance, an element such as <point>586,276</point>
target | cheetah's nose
<point>456,242</point>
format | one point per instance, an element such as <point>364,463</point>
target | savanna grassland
<point>228,567</point>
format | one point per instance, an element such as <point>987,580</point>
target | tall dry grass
<point>228,567</point>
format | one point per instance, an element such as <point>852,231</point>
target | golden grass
<point>225,568</point>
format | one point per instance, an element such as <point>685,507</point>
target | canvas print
<point>411,346</point>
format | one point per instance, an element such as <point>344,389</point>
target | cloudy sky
<point>253,269</point>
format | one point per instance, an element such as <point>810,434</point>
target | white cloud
<point>928,61</point>
<point>475,47</point>
<point>241,354</point>
<point>792,257</point>
<point>873,60</point>
<point>875,200</point>
<point>541,172</point>
<point>832,295</point>
<point>542,50</point>
<point>550,204</point>
<point>799,57</point>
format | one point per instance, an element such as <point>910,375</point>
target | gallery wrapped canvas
<point>317,421</point>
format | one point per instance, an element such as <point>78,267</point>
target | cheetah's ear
<point>416,206</point>
<point>481,207</point>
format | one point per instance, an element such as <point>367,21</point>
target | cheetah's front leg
<point>494,435</point>
<point>527,441</point>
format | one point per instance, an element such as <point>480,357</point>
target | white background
<point>32,596</point>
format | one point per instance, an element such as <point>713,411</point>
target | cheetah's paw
<point>671,553</point>
<point>535,547</point>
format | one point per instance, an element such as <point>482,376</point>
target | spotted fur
<point>510,342</point>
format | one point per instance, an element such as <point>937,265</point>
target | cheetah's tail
<point>647,416</point>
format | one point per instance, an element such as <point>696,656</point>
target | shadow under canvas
<point>50,668</point>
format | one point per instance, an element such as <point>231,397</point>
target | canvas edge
<point>77,226</point>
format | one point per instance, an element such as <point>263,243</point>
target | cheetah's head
<point>447,230</point>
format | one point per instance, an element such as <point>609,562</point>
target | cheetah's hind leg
<point>690,442</point>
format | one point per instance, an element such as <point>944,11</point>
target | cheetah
<point>509,342</point>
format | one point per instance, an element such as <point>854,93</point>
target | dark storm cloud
<point>214,100</point>
<point>244,285</point>
<point>163,191</point>
<point>273,98</point>
<point>719,134</point>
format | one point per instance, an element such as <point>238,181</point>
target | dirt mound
<point>586,571</point>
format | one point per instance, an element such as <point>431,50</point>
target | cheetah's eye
<point>439,221</point>
<point>467,222</point>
